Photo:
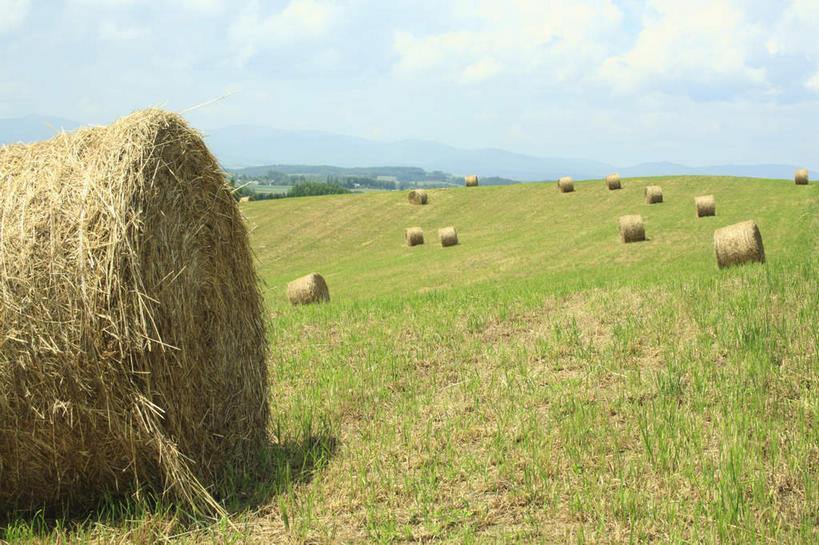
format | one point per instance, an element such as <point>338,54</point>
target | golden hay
<point>471,181</point>
<point>738,243</point>
<point>631,228</point>
<point>613,181</point>
<point>705,205</point>
<point>246,198</point>
<point>801,177</point>
<point>132,338</point>
<point>308,289</point>
<point>565,184</point>
<point>417,196</point>
<point>448,236</point>
<point>413,236</point>
<point>654,194</point>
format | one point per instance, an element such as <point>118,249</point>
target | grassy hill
<point>526,231</point>
<point>538,383</point>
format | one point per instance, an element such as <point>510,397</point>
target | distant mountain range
<point>250,145</point>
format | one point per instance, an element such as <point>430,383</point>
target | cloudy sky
<point>623,81</point>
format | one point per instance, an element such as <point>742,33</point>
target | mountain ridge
<point>246,145</point>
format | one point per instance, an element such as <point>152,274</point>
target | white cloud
<point>109,30</point>
<point>13,12</point>
<point>561,37</point>
<point>300,20</point>
<point>795,31</point>
<point>703,43</point>
<point>484,68</point>
<point>813,82</point>
<point>209,7</point>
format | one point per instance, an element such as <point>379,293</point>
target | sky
<point>623,81</point>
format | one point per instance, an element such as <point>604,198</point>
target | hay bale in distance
<point>413,236</point>
<point>448,236</point>
<point>471,181</point>
<point>801,177</point>
<point>654,194</point>
<point>631,228</point>
<point>613,181</point>
<point>565,184</point>
<point>705,205</point>
<point>308,289</point>
<point>246,198</point>
<point>133,340</point>
<point>417,196</point>
<point>738,243</point>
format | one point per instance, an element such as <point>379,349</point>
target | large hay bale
<point>801,177</point>
<point>132,338</point>
<point>654,194</point>
<point>631,228</point>
<point>448,236</point>
<point>613,181</point>
<point>565,184</point>
<point>471,181</point>
<point>738,243</point>
<point>413,236</point>
<point>246,198</point>
<point>308,289</point>
<point>417,196</point>
<point>705,205</point>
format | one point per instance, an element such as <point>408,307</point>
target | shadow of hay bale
<point>279,466</point>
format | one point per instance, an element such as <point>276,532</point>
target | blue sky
<point>694,81</point>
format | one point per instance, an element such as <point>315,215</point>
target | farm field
<point>540,382</point>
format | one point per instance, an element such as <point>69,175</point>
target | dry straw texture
<point>631,228</point>
<point>246,198</point>
<point>801,177</point>
<point>448,236</point>
<point>413,236</point>
<point>132,340</point>
<point>705,205</point>
<point>565,184</point>
<point>613,181</point>
<point>417,196</point>
<point>471,181</point>
<point>308,289</point>
<point>654,194</point>
<point>738,243</point>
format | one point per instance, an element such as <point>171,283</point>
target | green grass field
<point>541,382</point>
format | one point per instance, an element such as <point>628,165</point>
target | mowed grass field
<point>541,382</point>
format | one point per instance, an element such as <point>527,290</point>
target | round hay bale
<point>801,177</point>
<point>133,340</point>
<point>308,289</point>
<point>448,236</point>
<point>738,243</point>
<point>471,181</point>
<point>613,181</point>
<point>417,196</point>
<point>565,184</point>
<point>246,198</point>
<point>654,194</point>
<point>413,236</point>
<point>705,205</point>
<point>631,228</point>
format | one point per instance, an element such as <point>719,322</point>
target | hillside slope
<point>514,232</point>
